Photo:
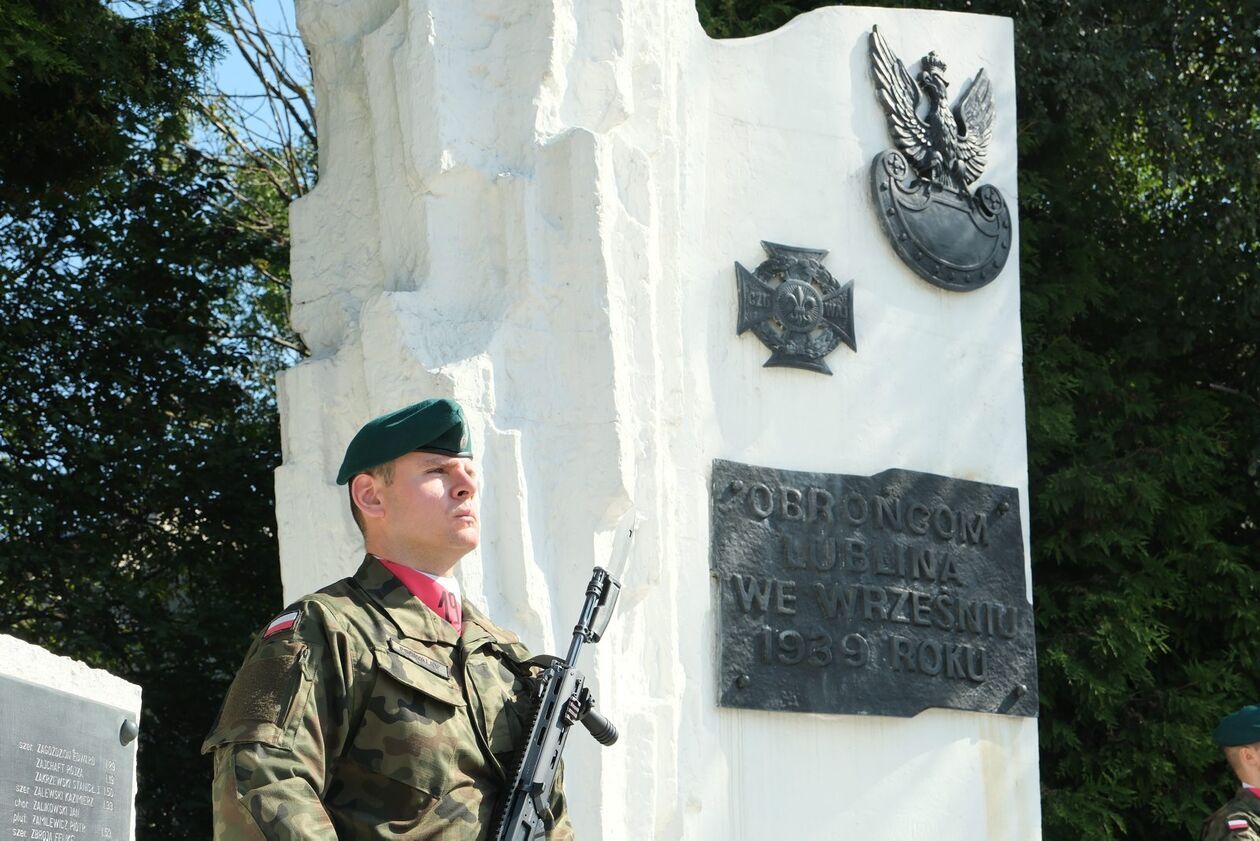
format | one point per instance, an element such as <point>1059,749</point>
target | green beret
<point>435,425</point>
<point>1239,728</point>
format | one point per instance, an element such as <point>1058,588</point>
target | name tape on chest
<point>422,660</point>
<point>283,622</point>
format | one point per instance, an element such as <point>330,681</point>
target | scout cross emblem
<point>795,307</point>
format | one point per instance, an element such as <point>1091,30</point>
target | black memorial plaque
<point>880,595</point>
<point>65,774</point>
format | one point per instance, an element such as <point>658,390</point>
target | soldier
<point>1238,734</point>
<point>383,706</point>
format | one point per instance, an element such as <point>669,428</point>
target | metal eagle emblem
<point>795,307</point>
<point>953,237</point>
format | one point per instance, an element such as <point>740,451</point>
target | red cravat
<point>450,609</point>
<point>440,600</point>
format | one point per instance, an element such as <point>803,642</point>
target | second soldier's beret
<point>435,425</point>
<point>1239,728</point>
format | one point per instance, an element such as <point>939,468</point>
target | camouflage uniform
<point>371,718</point>
<point>1243,809</point>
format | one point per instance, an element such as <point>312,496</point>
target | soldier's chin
<point>470,536</point>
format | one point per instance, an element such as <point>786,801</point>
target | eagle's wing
<point>975,122</point>
<point>899,95</point>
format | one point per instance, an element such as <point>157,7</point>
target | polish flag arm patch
<point>283,622</point>
<point>1235,825</point>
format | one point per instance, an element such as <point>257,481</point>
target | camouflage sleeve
<point>284,720</point>
<point>1243,826</point>
<point>561,829</point>
<point>1231,825</point>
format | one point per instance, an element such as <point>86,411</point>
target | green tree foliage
<point>80,82</point>
<point>138,429</point>
<point>1139,204</point>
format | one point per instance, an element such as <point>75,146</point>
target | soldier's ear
<point>365,490</point>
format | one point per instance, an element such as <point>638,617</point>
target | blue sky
<point>233,76</point>
<point>231,72</point>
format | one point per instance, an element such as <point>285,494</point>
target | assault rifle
<point>560,700</point>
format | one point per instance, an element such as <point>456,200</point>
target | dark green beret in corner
<point>435,425</point>
<point>1239,728</point>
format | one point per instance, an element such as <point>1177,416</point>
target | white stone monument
<point>535,208</point>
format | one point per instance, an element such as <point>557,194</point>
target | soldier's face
<point>430,509</point>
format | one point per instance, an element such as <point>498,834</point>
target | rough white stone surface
<point>30,663</point>
<point>534,207</point>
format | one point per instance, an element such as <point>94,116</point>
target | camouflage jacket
<point>371,718</point>
<point>1237,820</point>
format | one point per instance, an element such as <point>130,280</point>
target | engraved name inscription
<point>63,770</point>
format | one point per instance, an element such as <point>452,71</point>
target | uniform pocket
<point>414,729</point>
<point>265,699</point>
